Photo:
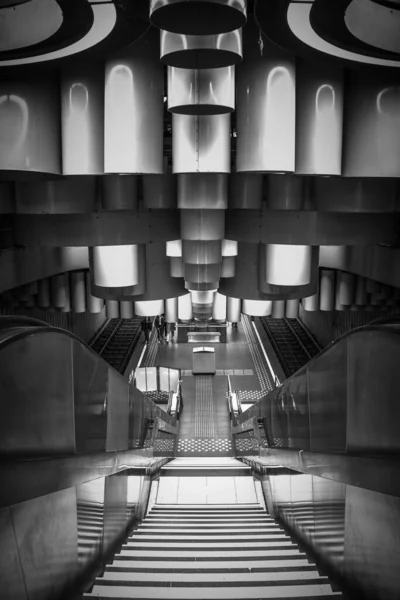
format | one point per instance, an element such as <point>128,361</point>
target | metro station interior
<point>199,299</point>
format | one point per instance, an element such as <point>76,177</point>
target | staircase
<point>210,550</point>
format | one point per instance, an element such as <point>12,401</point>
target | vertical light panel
<point>134,110</point>
<point>319,118</point>
<point>185,311</point>
<point>116,266</point>
<point>30,126</point>
<point>219,307</point>
<point>201,144</point>
<point>171,310</point>
<point>372,125</point>
<point>233,309</point>
<point>265,107</point>
<point>82,120</point>
<point>201,91</point>
<point>288,264</point>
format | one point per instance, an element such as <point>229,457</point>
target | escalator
<point>293,344</point>
<point>116,341</point>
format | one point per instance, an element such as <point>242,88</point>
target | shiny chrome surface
<point>201,51</point>
<point>134,111</point>
<point>199,252</point>
<point>29,121</point>
<point>203,190</point>
<point>201,144</point>
<point>266,108</point>
<point>319,118</point>
<point>82,120</point>
<point>198,17</point>
<point>201,91</point>
<point>373,114</point>
<point>202,225</point>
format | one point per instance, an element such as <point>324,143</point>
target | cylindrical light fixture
<point>256,308</point>
<point>201,144</point>
<point>266,107</point>
<point>288,264</point>
<point>58,291</point>
<point>115,266</point>
<point>82,119</point>
<point>197,252</point>
<point>176,266</point>
<point>134,110</point>
<point>311,303</point>
<point>219,307</point>
<point>149,308</point>
<point>201,91</point>
<point>278,309</point>
<point>203,225</point>
<point>201,51</point>
<point>171,310</point>
<point>319,118</point>
<point>30,117</point>
<point>228,266</point>
<point>94,305</point>
<point>120,192</point>
<point>174,248</point>
<point>203,191</point>
<point>245,190</point>
<point>67,306</point>
<point>327,290</point>
<point>229,248</point>
<point>233,309</point>
<point>198,17</point>
<point>185,311</point>
<point>126,309</point>
<point>159,191</point>
<point>285,192</point>
<point>346,283</point>
<point>78,291</point>
<point>292,309</point>
<point>202,297</point>
<point>112,309</point>
<point>201,287</point>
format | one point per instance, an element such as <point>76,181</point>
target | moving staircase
<point>116,340</point>
<point>292,343</point>
<point>209,550</point>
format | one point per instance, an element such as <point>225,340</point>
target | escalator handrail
<point>7,321</point>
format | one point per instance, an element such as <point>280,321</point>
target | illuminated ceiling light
<point>104,20</point>
<point>115,266</point>
<point>257,308</point>
<point>201,91</point>
<point>202,297</point>
<point>149,308</point>
<point>185,310</point>
<point>229,248</point>
<point>266,109</point>
<point>198,17</point>
<point>174,248</point>
<point>288,265</point>
<point>201,51</point>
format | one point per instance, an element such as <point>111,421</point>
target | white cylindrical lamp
<point>82,119</point>
<point>228,266</point>
<point>201,144</point>
<point>278,309</point>
<point>112,309</point>
<point>198,17</point>
<point>219,309</point>
<point>185,311</point>
<point>58,291</point>
<point>115,266</point>
<point>311,303</point>
<point>288,264</point>
<point>149,308</point>
<point>256,308</point>
<point>126,309</point>
<point>201,91</point>
<point>201,51</point>
<point>233,309</point>
<point>67,306</point>
<point>78,291</point>
<point>171,310</point>
<point>327,290</point>
<point>94,305</point>
<point>176,266</point>
<point>292,309</point>
<point>134,110</point>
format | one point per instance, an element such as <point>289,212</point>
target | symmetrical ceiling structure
<point>215,156</point>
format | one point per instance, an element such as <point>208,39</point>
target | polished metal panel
<point>202,273</point>
<point>203,190</point>
<point>72,195</point>
<point>46,534</point>
<point>245,190</point>
<point>159,191</point>
<point>201,51</point>
<point>201,91</point>
<point>355,194</point>
<point>201,252</point>
<point>266,107</point>
<point>373,114</point>
<point>115,513</point>
<point>120,192</point>
<point>198,17</point>
<point>37,394</point>
<point>202,225</point>
<point>201,144</point>
<point>134,110</point>
<point>319,118</point>
<point>30,125</point>
<point>12,581</point>
<point>285,192</point>
<point>82,119</point>
<point>115,266</point>
<point>117,412</point>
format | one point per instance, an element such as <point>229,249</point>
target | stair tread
<point>211,577</point>
<point>213,553</point>
<point>294,562</point>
